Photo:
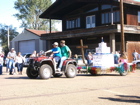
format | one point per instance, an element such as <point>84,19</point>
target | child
<point>123,59</point>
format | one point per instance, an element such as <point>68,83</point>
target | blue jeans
<point>19,67</point>
<point>1,69</point>
<point>61,61</point>
<point>89,62</point>
<point>11,65</point>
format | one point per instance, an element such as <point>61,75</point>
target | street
<point>84,89</point>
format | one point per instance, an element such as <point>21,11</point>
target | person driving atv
<point>56,53</point>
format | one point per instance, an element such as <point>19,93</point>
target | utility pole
<point>8,39</point>
<point>122,27</point>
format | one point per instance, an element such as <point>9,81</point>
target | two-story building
<point>92,19</point>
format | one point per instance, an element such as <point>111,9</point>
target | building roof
<point>37,32</point>
<point>61,7</point>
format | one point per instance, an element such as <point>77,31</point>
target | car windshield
<point>26,55</point>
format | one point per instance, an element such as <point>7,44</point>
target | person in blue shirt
<point>56,53</point>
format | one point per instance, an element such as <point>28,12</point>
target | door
<point>27,46</point>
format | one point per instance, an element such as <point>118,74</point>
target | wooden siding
<point>130,47</point>
<point>131,16</point>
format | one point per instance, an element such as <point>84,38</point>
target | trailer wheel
<point>93,73</point>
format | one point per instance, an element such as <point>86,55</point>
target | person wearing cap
<point>66,53</point>
<point>56,53</point>
<point>11,56</point>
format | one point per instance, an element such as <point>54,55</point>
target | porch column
<point>112,42</point>
<point>48,44</point>
<point>50,25</point>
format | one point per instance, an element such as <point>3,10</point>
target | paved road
<point>110,89</point>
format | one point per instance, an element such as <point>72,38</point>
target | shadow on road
<point>123,98</point>
<point>16,78</point>
<point>84,74</point>
<point>25,77</point>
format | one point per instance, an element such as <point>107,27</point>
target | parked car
<point>137,62</point>
<point>26,59</point>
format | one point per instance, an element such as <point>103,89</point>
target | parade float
<point>103,62</point>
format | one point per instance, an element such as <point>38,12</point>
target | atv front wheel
<point>45,71</point>
<point>31,73</point>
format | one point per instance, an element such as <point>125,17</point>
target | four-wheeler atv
<point>44,68</point>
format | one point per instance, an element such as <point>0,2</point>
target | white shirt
<point>19,59</point>
<point>1,60</point>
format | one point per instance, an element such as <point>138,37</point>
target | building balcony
<point>100,30</point>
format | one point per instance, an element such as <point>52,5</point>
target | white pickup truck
<point>137,62</point>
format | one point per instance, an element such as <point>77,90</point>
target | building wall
<point>26,36</point>
<point>83,13</point>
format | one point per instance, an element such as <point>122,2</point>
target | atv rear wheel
<point>45,71</point>
<point>71,71</point>
<point>31,73</point>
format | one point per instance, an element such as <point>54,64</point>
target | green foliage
<point>4,36</point>
<point>29,11</point>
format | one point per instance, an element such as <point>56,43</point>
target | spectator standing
<point>89,58</point>
<point>34,54</point>
<point>1,62</point>
<point>66,53</point>
<point>116,57</point>
<point>7,64</point>
<point>135,55</point>
<point>75,57</point>
<point>11,56</point>
<point>19,61</point>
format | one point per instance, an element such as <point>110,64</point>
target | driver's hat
<point>55,43</point>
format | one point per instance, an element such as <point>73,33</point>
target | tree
<point>3,36</point>
<point>29,11</point>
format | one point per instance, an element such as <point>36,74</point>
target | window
<point>74,23</point>
<point>93,10</point>
<point>138,16</point>
<point>90,21</point>
<point>106,17</point>
<point>107,7</point>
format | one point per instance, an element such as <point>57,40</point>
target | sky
<point>6,15</point>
